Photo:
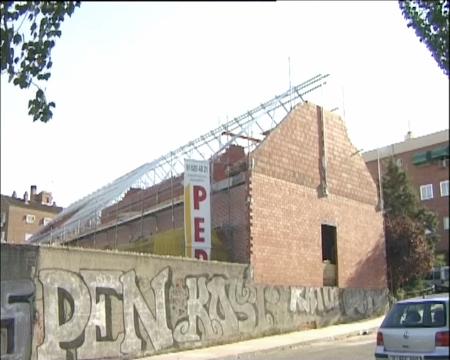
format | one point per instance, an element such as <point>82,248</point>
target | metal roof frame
<point>82,215</point>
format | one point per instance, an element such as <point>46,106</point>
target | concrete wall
<point>66,303</point>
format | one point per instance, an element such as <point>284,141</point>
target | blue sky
<point>132,81</point>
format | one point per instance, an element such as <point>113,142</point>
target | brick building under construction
<point>291,197</point>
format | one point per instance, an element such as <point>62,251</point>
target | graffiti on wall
<point>100,314</point>
<point>314,300</point>
<point>16,318</point>
<point>84,318</point>
<point>215,307</point>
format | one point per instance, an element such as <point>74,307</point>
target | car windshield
<point>416,314</point>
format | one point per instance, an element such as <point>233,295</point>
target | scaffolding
<point>247,130</point>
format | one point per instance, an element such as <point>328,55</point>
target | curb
<point>239,350</point>
<point>251,354</point>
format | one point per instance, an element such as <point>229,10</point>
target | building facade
<point>301,209</point>
<point>426,161</point>
<point>22,217</point>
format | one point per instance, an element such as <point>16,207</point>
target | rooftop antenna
<point>409,133</point>
<point>343,102</point>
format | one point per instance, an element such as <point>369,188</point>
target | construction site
<point>268,224</point>
<point>286,189</point>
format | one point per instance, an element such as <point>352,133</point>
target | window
<point>29,219</point>
<point>399,163</point>
<point>27,236</point>
<point>427,314</point>
<point>426,192</point>
<point>445,222</point>
<point>444,188</point>
<point>46,220</point>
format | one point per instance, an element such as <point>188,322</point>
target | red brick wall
<point>223,164</point>
<point>229,210</point>
<point>286,210</point>
<point>137,199</point>
<point>124,234</point>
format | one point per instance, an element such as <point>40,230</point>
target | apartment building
<point>426,161</point>
<point>22,217</point>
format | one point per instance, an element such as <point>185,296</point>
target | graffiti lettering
<point>82,322</point>
<point>63,289</point>
<point>156,326</point>
<point>98,338</point>
<point>187,330</point>
<point>16,318</point>
<point>314,300</point>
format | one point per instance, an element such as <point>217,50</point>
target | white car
<point>415,329</point>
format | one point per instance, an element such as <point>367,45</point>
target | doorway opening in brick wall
<point>329,255</point>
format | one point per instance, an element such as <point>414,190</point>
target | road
<point>354,348</point>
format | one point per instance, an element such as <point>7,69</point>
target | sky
<point>132,81</point>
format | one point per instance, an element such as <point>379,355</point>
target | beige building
<point>22,217</point>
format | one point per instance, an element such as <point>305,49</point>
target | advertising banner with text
<point>197,209</point>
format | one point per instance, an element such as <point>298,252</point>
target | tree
<point>410,230</point>
<point>408,253</point>
<point>28,31</point>
<point>430,20</point>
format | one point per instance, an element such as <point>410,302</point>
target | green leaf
<point>43,20</point>
<point>33,108</point>
<point>17,39</point>
<point>43,76</point>
<point>70,9</point>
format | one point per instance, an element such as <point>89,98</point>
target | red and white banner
<point>197,209</point>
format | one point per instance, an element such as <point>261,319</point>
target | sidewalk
<point>245,349</point>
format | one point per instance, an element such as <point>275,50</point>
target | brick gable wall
<point>286,209</point>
